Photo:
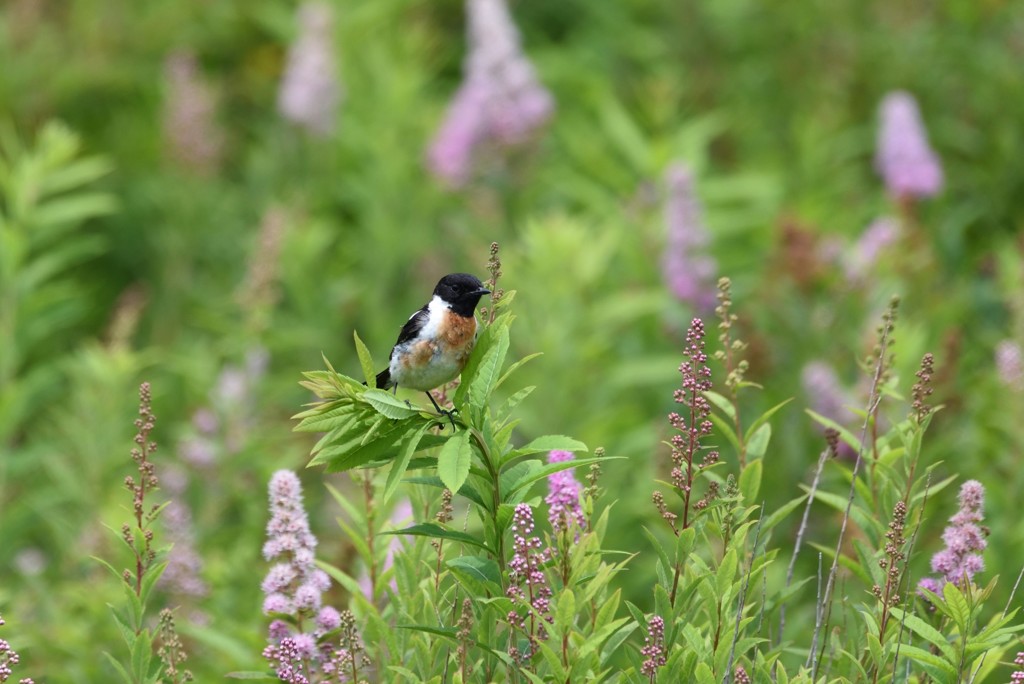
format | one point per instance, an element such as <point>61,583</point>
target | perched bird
<point>436,341</point>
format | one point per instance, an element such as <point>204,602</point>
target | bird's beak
<point>482,291</point>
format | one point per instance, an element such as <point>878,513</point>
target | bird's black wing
<point>412,326</point>
<point>409,332</point>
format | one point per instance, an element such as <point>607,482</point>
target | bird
<point>435,343</point>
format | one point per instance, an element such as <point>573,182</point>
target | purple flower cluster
<point>183,574</point>
<point>9,657</point>
<point>500,103</point>
<point>287,659</point>
<point>865,253</point>
<point>1017,676</point>
<point>687,268</point>
<point>192,137</point>
<point>563,497</point>
<point>696,381</point>
<point>903,157</point>
<point>221,427</point>
<point>964,539</point>
<point>528,584</point>
<point>827,397</point>
<point>654,647</point>
<point>1010,365</point>
<point>294,584</point>
<point>825,392</point>
<point>310,91</point>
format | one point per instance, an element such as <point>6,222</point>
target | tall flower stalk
<point>294,585</point>
<point>964,538</point>
<point>693,425</point>
<point>528,586</point>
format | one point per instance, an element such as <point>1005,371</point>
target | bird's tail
<point>384,379</point>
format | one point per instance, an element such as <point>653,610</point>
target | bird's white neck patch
<point>436,310</point>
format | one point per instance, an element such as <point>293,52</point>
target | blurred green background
<point>175,227</point>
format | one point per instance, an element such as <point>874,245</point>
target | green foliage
<point>118,259</point>
<point>44,203</point>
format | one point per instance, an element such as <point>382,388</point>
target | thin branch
<point>906,575</point>
<point>800,537</point>
<point>742,597</point>
<point>874,399</point>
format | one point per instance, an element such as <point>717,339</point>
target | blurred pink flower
<point>862,256</point>
<point>192,137</point>
<point>500,103</point>
<point>183,574</point>
<point>311,91</point>
<point>829,398</point>
<point>563,497</point>
<point>903,157</point>
<point>1010,365</point>
<point>964,539</point>
<point>687,268</point>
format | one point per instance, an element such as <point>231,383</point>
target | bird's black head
<point>461,291</point>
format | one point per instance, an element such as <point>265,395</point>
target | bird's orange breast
<point>458,333</point>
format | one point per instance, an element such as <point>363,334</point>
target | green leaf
<point>467,490</point>
<point>844,433</point>
<point>518,398</point>
<point>135,607</point>
<point>862,518</point>
<point>684,544</point>
<point>849,563</point>
<point>515,366</point>
<point>638,615</point>
<point>127,633</point>
<point>926,632</point>
<point>142,655</point>
<point>933,664</point>
<point>119,667</point>
<point>958,606</point>
<point>565,611</point>
<point>726,574</point>
<point>513,474</point>
<point>875,649</point>
<point>552,468</point>
<point>933,489</point>
<point>437,532</point>
<point>347,456</point>
<point>150,579</point>
<point>365,361</point>
<point>489,370</point>
<point>750,480</point>
<point>327,416</point>
<point>454,460</point>
<point>776,516</point>
<point>401,462</point>
<point>484,569</point>
<point>546,443</point>
<point>723,404</point>
<point>658,548</point>
<point>388,404</point>
<point>473,583</point>
<point>763,418</point>
<point>757,445</point>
